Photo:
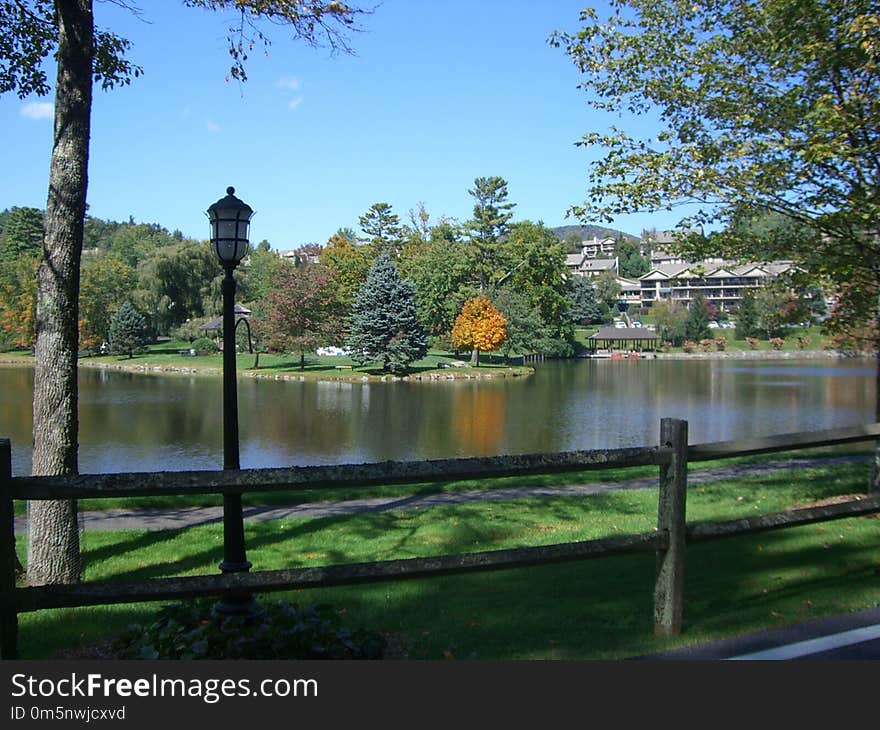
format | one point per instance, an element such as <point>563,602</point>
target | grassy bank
<point>170,357</point>
<point>592,609</point>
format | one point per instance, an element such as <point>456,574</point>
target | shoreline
<point>471,373</point>
<point>447,374</point>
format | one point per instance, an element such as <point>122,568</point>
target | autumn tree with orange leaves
<point>479,326</point>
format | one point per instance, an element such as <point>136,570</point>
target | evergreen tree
<point>492,214</point>
<point>746,316</point>
<point>632,263</point>
<point>21,233</point>
<point>696,327</point>
<point>584,304</point>
<point>382,228</point>
<point>127,331</point>
<point>384,324</point>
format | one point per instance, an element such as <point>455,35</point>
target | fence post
<point>8,561</point>
<point>669,588</point>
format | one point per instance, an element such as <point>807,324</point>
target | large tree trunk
<point>53,546</point>
<point>874,483</point>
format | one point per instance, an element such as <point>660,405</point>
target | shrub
<point>721,344</point>
<point>707,345</point>
<point>204,344</point>
<point>803,342</point>
<point>689,346</point>
<point>190,330</point>
<point>280,630</point>
<point>776,343</point>
<point>753,342</point>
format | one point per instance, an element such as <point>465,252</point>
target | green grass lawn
<point>593,609</point>
<point>166,356</point>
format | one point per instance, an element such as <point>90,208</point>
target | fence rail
<point>668,542</point>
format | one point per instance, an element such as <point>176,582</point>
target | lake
<point>140,422</point>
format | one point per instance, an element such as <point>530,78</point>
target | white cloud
<point>38,110</point>
<point>294,103</point>
<point>289,83</point>
<point>213,126</point>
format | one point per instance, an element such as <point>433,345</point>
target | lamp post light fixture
<point>230,220</point>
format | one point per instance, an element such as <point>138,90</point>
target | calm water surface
<point>136,422</point>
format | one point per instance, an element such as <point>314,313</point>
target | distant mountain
<point>587,233</point>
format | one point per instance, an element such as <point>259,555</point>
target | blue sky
<point>439,93</point>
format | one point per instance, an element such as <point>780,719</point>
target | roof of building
<point>716,267</point>
<point>599,265</point>
<point>217,323</point>
<point>624,333</point>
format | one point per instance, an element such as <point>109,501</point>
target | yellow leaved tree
<point>479,326</point>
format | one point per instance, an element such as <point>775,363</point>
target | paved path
<point>172,519</point>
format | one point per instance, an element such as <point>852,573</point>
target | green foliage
<point>190,330</point>
<point>280,630</point>
<point>491,221</point>
<point>18,295</point>
<point>632,263</point>
<point>607,289</point>
<point>349,262</point>
<point>261,268</point>
<point>746,316</point>
<point>778,309</point>
<point>765,107</point>
<point>204,344</point>
<point>584,304</point>
<point>696,326</point>
<point>21,233</point>
<point>670,318</point>
<point>127,331</point>
<point>384,325</point>
<point>382,229</point>
<point>533,260</point>
<point>30,36</point>
<point>105,283</point>
<point>527,333</point>
<point>178,282</point>
<point>439,272</point>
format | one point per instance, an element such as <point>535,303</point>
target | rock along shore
<point>341,377</point>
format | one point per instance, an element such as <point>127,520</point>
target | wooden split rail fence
<point>668,542</point>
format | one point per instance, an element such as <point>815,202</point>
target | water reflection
<point>148,422</point>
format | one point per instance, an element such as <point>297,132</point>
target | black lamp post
<point>230,220</point>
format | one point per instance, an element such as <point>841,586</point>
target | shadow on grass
<point>590,609</point>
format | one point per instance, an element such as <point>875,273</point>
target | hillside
<point>590,231</point>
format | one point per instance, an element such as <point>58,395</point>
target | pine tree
<point>127,331</point>
<point>382,228</point>
<point>491,222</point>
<point>697,326</point>
<point>384,325</point>
<point>746,316</point>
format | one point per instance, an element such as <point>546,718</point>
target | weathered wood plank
<point>672,501</point>
<point>699,532</point>
<point>144,484</point>
<point>783,442</point>
<point>107,592</point>
<point>8,615</point>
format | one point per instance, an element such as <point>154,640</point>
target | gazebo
<point>215,325</point>
<point>634,339</point>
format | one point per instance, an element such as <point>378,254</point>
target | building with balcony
<point>719,282</point>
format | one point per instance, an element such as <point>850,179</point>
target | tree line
<point>302,302</point>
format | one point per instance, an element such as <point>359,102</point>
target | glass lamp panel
<point>225,248</point>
